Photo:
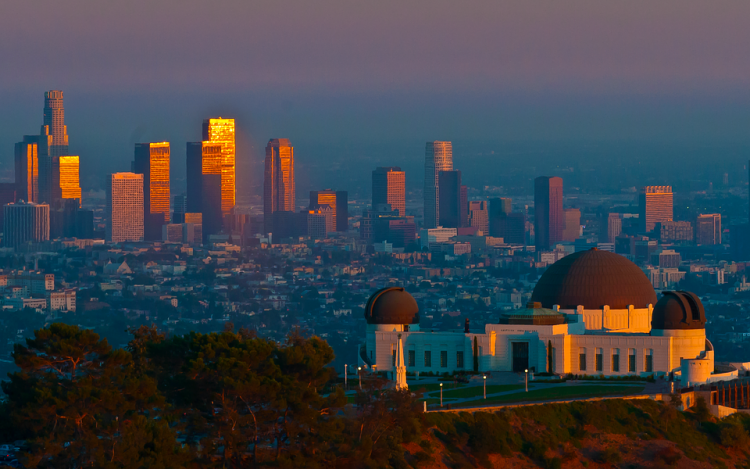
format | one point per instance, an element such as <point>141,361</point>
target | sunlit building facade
<point>204,170</point>
<point>278,180</point>
<point>438,157</point>
<point>571,224</point>
<point>222,131</point>
<point>339,203</point>
<point>124,207</point>
<point>27,169</point>
<point>389,187</point>
<point>25,222</point>
<point>152,161</point>
<point>479,216</point>
<point>548,212</point>
<point>70,186</point>
<point>708,229</point>
<point>655,206</point>
<point>53,144</point>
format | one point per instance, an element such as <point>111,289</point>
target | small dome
<point>678,310</point>
<point>594,279</point>
<point>392,305</point>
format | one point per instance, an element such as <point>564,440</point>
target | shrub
<point>668,456</point>
<point>609,456</point>
<point>733,436</point>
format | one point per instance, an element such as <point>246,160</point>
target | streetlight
<point>359,377</point>
<point>346,379</point>
<point>441,394</point>
<point>484,378</point>
<point>526,379</point>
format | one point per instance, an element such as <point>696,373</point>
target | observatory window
<point>649,361</point>
<point>616,360</point>
<point>444,359</point>
<point>631,360</point>
<point>582,359</point>
<point>412,358</point>
<point>427,359</point>
<point>599,360</point>
<point>459,359</point>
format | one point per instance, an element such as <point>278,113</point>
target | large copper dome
<point>594,279</point>
<point>392,305</point>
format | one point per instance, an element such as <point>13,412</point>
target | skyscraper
<point>548,211</point>
<point>179,208</point>
<point>7,196</point>
<point>463,207</point>
<point>479,216</point>
<point>24,222</point>
<point>70,187</point>
<point>708,229</point>
<point>222,131</point>
<point>204,166</point>
<point>152,160</point>
<point>571,224</point>
<point>389,187</point>
<point>438,157</point>
<point>449,199</point>
<point>278,180</point>
<point>498,210</point>
<point>339,203</point>
<point>124,207</point>
<point>53,144</point>
<point>655,205</point>
<point>27,169</point>
<point>611,227</point>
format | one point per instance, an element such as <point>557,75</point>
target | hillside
<point>613,433</point>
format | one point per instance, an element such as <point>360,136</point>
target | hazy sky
<point>371,81</point>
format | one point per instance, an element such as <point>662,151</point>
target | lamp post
<point>346,379</point>
<point>441,394</point>
<point>526,380</point>
<point>359,377</point>
<point>484,380</point>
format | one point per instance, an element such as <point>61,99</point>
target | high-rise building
<point>669,231</point>
<point>389,187</point>
<point>62,217</point>
<point>27,169</point>
<point>449,199</point>
<point>53,144</point>
<point>708,229</point>
<point>152,160</point>
<point>655,205</point>
<point>124,207</point>
<point>571,224</point>
<point>24,222</point>
<point>278,180</point>
<point>320,222</point>
<point>179,208</point>
<point>222,131</point>
<point>438,157</point>
<point>548,211</point>
<point>338,201</point>
<point>463,208</point>
<point>479,216</point>
<point>610,228</point>
<point>204,184</point>
<point>498,209</point>
<point>70,187</point>
<point>7,196</point>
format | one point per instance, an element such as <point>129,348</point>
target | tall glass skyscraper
<point>389,187</point>
<point>222,131</point>
<point>53,144</point>
<point>204,171</point>
<point>152,160</point>
<point>27,169</point>
<point>124,207</point>
<point>278,180</point>
<point>548,212</point>
<point>70,186</point>
<point>438,157</point>
<point>655,206</point>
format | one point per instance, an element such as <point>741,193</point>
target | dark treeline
<point>226,400</point>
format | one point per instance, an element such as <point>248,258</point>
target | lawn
<point>476,391</point>
<point>429,387</point>
<point>557,392</point>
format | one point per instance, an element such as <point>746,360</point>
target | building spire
<point>400,367</point>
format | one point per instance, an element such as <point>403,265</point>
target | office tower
<point>674,231</point>
<point>655,205</point>
<point>374,226</point>
<point>548,211</point>
<point>53,144</point>
<point>338,201</point>
<point>171,233</point>
<point>463,208</point>
<point>389,187</point>
<point>278,180</point>
<point>479,216</point>
<point>498,209</point>
<point>708,229</point>
<point>401,232</point>
<point>438,157</point>
<point>610,228</point>
<point>85,224</point>
<point>571,224</point>
<point>27,169</point>
<point>70,187</point>
<point>62,217</point>
<point>221,131</point>
<point>124,207</point>
<point>25,222</point>
<point>7,196</point>
<point>204,165</point>
<point>152,161</point>
<point>449,199</point>
<point>319,222</point>
<point>179,208</point>
<point>514,229</point>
